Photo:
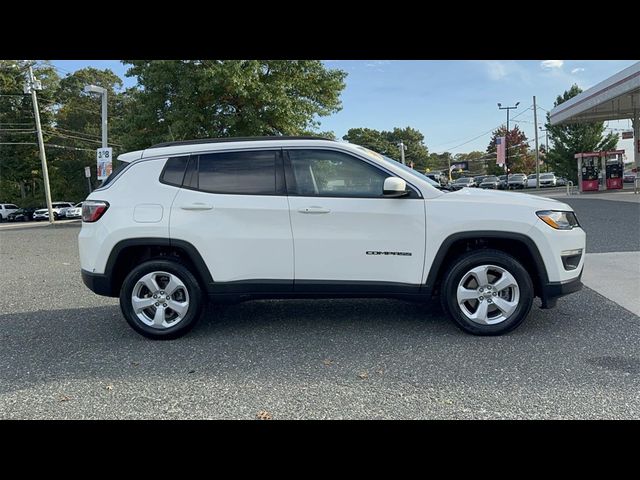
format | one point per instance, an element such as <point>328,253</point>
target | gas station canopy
<point>617,97</point>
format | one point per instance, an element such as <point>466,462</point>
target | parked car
<point>561,182</point>
<point>191,220</point>
<point>502,182</point>
<point>531,180</point>
<point>43,213</point>
<point>547,180</point>
<point>517,180</point>
<point>490,181</point>
<point>6,209</point>
<point>629,177</point>
<point>75,211</point>
<point>437,177</point>
<point>463,182</point>
<point>478,180</point>
<point>22,215</point>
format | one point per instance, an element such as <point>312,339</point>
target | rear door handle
<point>314,210</point>
<point>197,206</point>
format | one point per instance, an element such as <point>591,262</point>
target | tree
<point>188,99</point>
<point>475,159</point>
<point>20,169</point>
<point>575,138</point>
<point>78,128</point>
<point>520,157</point>
<point>386,143</point>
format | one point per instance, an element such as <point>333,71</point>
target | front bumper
<point>97,283</point>
<point>551,291</point>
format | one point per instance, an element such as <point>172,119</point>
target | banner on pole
<point>500,146</point>
<point>104,158</point>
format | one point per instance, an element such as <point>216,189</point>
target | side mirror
<point>394,187</point>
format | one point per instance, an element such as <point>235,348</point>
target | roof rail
<point>235,139</point>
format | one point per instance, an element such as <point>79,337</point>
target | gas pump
<point>588,171</point>
<point>614,168</point>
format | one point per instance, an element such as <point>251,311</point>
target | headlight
<point>559,220</point>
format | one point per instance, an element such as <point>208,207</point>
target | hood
<point>501,198</point>
<point>42,210</point>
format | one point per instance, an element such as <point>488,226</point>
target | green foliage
<point>20,172</point>
<point>575,138</point>
<point>172,100</point>
<point>187,99</point>
<point>386,143</point>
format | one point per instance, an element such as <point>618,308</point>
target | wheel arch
<point>518,245</point>
<point>130,252</point>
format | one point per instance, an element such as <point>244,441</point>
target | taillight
<point>92,210</point>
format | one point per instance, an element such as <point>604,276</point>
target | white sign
<point>104,157</point>
<point>87,172</point>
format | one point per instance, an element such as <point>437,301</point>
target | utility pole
<point>535,127</point>
<point>402,149</point>
<point>546,152</point>
<point>31,87</point>
<point>506,137</point>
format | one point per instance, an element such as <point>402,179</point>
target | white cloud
<point>496,70</point>
<point>506,71</point>
<point>550,64</point>
<point>577,70</point>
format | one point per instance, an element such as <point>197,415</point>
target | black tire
<point>473,259</point>
<point>194,290</point>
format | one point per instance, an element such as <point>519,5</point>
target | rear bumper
<point>97,283</point>
<point>554,290</point>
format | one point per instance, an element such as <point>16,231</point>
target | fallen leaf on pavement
<point>109,387</point>
<point>327,361</point>
<point>363,375</point>
<point>65,398</point>
<point>264,415</point>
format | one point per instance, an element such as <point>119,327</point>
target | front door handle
<point>197,206</point>
<point>314,210</point>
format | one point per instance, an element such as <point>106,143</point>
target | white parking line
<point>616,275</point>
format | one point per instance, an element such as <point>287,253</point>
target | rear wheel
<point>161,299</point>
<point>487,292</point>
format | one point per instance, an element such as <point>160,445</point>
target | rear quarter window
<point>173,172</point>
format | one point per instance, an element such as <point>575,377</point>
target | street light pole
<point>506,137</point>
<point>402,149</point>
<point>103,93</point>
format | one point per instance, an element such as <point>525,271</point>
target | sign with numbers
<point>104,157</point>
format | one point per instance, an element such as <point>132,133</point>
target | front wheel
<point>487,292</point>
<point>161,299</point>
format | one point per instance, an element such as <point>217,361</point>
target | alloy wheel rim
<point>488,294</point>
<point>160,300</point>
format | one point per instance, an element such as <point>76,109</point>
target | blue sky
<point>449,101</point>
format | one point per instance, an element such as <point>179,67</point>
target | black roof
<point>234,139</point>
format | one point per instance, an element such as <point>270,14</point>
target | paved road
<point>67,353</point>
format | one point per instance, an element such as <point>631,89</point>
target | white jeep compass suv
<point>282,217</point>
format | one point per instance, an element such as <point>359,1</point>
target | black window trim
<point>280,187</point>
<point>289,174</point>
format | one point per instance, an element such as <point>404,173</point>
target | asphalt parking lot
<point>67,353</point>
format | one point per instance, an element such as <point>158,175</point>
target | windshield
<point>490,179</point>
<point>546,175</point>
<point>400,165</point>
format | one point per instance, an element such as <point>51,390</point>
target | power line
<point>482,134</point>
<point>64,135</point>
